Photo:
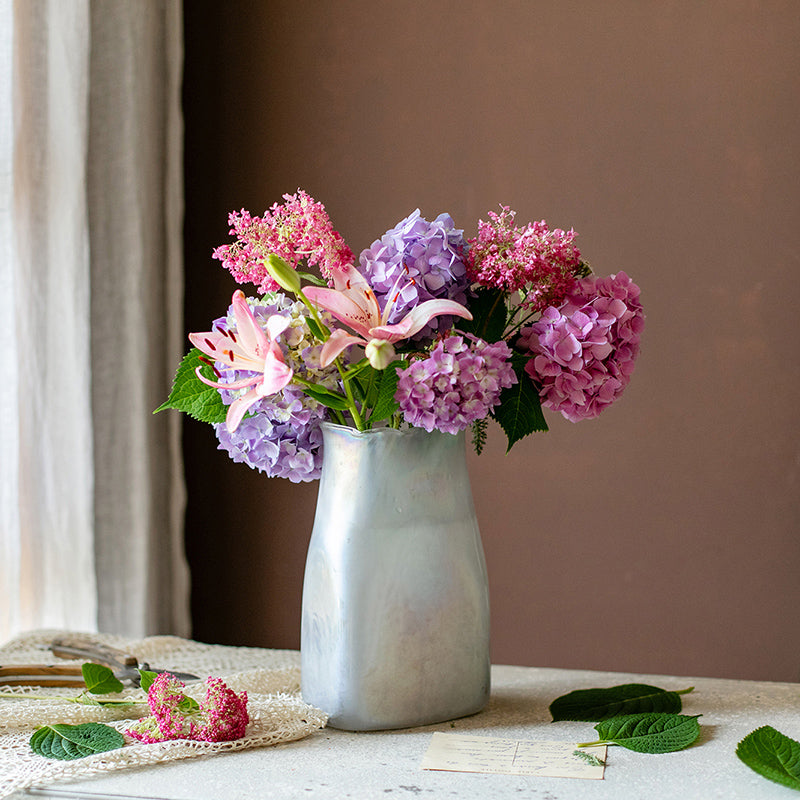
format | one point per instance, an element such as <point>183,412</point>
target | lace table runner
<point>270,677</point>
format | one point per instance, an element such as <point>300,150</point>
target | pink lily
<point>249,348</point>
<point>353,302</point>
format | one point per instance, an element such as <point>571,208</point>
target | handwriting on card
<point>462,753</point>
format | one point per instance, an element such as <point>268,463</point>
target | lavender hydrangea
<point>421,261</point>
<point>281,435</point>
<point>458,383</point>
<point>584,352</point>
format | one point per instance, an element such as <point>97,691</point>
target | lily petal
<point>277,373</point>
<point>238,408</point>
<point>338,341</point>
<point>418,318</point>
<point>251,337</point>
<point>344,307</point>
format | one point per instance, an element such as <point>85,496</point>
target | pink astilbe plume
<point>535,260</point>
<point>297,230</point>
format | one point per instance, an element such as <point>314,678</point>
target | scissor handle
<point>89,650</point>
<point>41,675</point>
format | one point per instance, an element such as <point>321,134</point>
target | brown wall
<point>665,535</point>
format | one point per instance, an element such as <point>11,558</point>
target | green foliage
<point>326,397</point>
<point>648,733</point>
<point>772,755</point>
<point>146,678</point>
<point>520,411</point>
<point>384,405</point>
<point>68,742</point>
<point>479,434</point>
<point>593,705</point>
<point>489,315</point>
<point>190,395</point>
<point>100,679</point>
<point>590,758</point>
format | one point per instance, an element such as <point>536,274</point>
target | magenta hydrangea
<point>417,261</point>
<point>584,352</point>
<point>458,383</point>
<point>539,262</point>
<point>221,717</point>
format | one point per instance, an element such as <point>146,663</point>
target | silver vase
<point>395,627</point>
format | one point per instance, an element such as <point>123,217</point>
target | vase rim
<point>356,434</point>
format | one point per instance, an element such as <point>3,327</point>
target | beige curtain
<point>90,292</point>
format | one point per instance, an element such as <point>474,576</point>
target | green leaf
<point>326,397</point>
<point>312,278</point>
<point>648,733</point>
<point>146,678</point>
<point>772,755</point>
<point>593,705</point>
<point>318,331</point>
<point>190,395</point>
<point>385,405</point>
<point>520,410</point>
<point>488,310</point>
<point>100,679</point>
<point>68,742</point>
<point>188,705</point>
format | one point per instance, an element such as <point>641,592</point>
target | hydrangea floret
<point>431,330</point>
<point>221,717</point>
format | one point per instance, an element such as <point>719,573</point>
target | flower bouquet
<point>430,330</point>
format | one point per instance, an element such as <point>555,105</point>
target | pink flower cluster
<point>222,716</point>
<point>585,351</point>
<point>455,385</point>
<point>298,229</point>
<point>535,260</point>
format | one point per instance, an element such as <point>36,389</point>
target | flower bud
<point>380,353</point>
<point>282,273</point>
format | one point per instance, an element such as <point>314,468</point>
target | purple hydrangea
<point>421,261</point>
<point>281,434</point>
<point>455,385</point>
<point>585,351</point>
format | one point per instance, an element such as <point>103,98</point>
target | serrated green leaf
<point>68,742</point>
<point>593,705</point>
<point>648,733</point>
<point>100,679</point>
<point>520,410</point>
<point>190,395</point>
<point>385,405</point>
<point>772,755</point>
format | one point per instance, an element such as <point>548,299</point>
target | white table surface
<point>365,766</point>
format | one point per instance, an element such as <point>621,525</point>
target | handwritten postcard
<point>487,754</point>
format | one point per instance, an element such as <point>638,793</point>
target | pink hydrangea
<point>539,262</point>
<point>299,229</point>
<point>221,717</point>
<point>584,352</point>
<point>455,385</point>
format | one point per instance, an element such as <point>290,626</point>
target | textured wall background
<point>663,536</point>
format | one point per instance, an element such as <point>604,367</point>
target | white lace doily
<point>270,677</point>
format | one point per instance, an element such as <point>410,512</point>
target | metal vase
<point>395,627</point>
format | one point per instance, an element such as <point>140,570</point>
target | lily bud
<point>282,273</point>
<point>380,353</point>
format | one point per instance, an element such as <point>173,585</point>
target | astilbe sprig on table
<point>222,716</point>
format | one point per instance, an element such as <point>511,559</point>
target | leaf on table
<point>68,742</point>
<point>649,733</point>
<point>594,705</point>
<point>100,679</point>
<point>772,755</point>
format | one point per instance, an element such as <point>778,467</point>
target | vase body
<point>395,623</point>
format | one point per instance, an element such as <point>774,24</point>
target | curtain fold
<point>90,224</point>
